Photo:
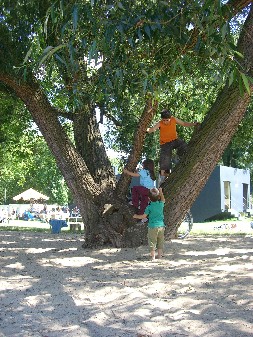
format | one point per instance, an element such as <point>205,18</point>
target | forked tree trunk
<point>106,216</point>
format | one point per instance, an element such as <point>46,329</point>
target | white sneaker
<point>130,203</point>
<point>144,220</point>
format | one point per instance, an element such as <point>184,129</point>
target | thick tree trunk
<point>107,219</point>
<point>89,144</point>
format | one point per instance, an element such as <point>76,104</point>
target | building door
<point>245,197</point>
<point>227,195</point>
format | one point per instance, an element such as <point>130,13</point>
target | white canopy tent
<point>31,194</point>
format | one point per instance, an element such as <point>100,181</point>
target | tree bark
<point>90,145</point>
<point>135,155</point>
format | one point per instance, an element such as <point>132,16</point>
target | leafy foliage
<point>25,158</point>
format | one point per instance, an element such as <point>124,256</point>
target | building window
<point>227,195</point>
<point>245,197</point>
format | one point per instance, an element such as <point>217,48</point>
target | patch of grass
<point>225,216</point>
<point>218,233</point>
<point>35,230</point>
<point>27,229</point>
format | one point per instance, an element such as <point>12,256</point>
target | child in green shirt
<point>156,226</point>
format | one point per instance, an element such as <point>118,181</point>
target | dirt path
<point>51,287</point>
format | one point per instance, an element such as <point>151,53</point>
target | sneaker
<point>130,203</point>
<point>144,220</point>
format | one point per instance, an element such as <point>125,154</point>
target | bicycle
<point>186,226</point>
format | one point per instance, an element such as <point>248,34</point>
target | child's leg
<point>152,240</point>
<point>165,158</point>
<point>160,241</point>
<point>160,253</point>
<point>152,254</point>
<point>181,147</point>
<point>135,196</point>
<point>144,192</point>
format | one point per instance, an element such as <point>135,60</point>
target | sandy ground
<point>51,287</point>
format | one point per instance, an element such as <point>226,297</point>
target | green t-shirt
<point>154,211</point>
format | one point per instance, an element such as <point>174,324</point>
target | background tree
<point>25,158</point>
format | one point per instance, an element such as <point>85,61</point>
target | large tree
<point>138,46</point>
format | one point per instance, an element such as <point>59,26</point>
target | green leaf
<point>75,17</point>
<point>145,84</point>
<point>120,5</point>
<point>130,40</point>
<point>139,34</point>
<point>61,8</point>
<point>180,63</point>
<point>231,78</point>
<point>241,86</point>
<point>239,54</point>
<point>147,30</point>
<point>60,59</point>
<point>93,50</point>
<point>49,51</point>
<point>245,82</point>
<point>53,17</point>
<point>224,31</point>
<point>28,54</point>
<point>45,23</point>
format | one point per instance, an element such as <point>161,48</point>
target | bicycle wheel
<point>186,226</point>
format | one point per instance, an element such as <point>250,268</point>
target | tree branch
<point>139,137</point>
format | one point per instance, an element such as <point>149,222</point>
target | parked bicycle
<point>186,226</point>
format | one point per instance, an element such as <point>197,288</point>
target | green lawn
<point>31,225</point>
<point>229,227</point>
<point>224,227</point>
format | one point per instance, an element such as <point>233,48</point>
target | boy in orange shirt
<point>169,139</point>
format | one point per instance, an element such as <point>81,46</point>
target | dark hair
<point>154,194</point>
<point>149,165</point>
<point>165,114</point>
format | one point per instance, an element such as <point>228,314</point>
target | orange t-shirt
<point>168,131</point>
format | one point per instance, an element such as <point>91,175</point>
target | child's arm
<point>140,216</point>
<point>132,174</point>
<point>180,122</point>
<point>154,128</point>
<point>161,194</point>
